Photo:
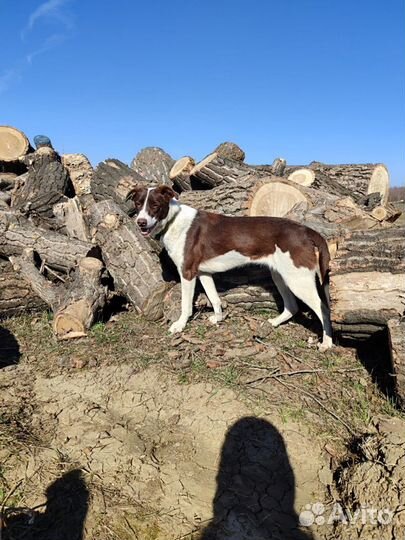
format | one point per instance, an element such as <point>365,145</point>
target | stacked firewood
<point>67,238</point>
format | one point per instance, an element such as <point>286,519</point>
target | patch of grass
<point>290,413</point>
<point>103,335</point>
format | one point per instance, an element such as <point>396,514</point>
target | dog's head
<point>152,206</point>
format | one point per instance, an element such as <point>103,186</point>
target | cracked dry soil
<point>117,450</point>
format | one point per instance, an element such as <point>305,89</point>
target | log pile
<point>67,239</point>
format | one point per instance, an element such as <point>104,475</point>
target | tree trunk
<point>80,171</point>
<point>75,305</point>
<point>154,165</point>
<point>114,180</point>
<point>56,250</point>
<point>215,170</point>
<point>367,281</point>
<point>356,180</point>
<point>396,333</point>
<point>16,295</point>
<point>180,173</point>
<point>129,258</point>
<point>13,144</point>
<point>7,181</point>
<point>230,150</point>
<point>47,184</point>
<point>69,216</point>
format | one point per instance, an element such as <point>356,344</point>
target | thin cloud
<point>51,10</point>
<point>48,44</point>
<point>8,78</point>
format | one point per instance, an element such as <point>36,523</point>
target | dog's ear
<point>133,193</point>
<point>167,192</point>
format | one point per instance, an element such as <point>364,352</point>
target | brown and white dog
<point>201,243</point>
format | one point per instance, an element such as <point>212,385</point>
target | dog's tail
<point>323,256</point>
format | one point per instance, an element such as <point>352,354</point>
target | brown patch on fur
<point>158,200</point>
<point>211,235</point>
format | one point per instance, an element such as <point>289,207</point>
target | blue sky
<point>302,79</point>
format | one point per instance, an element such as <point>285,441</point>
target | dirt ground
<point>238,431</point>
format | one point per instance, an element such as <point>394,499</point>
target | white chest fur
<point>180,219</point>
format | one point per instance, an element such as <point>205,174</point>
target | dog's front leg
<point>208,283</point>
<point>187,295</point>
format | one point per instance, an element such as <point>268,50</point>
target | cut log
<point>47,184</point>
<point>75,305</point>
<point>356,180</point>
<point>215,170</point>
<point>80,171</point>
<point>154,165</point>
<point>230,150</point>
<point>396,333</point>
<point>250,289</point>
<point>276,169</point>
<point>129,258</point>
<point>180,173</point>
<point>304,177</point>
<point>114,180</point>
<point>56,250</point>
<point>367,281</point>
<point>13,144</point>
<point>70,219</point>
<point>16,295</point>
<point>388,213</point>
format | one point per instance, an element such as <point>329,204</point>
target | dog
<point>202,243</point>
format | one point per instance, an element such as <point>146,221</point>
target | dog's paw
<point>215,318</point>
<point>177,326</point>
<point>325,345</point>
<point>274,322</point>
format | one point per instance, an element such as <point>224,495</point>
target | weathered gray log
<point>396,335</point>
<point>113,179</point>
<point>16,295</point>
<point>13,144</point>
<point>215,170</point>
<point>7,181</point>
<point>70,219</point>
<point>367,281</point>
<point>56,250</point>
<point>230,150</point>
<point>277,168</point>
<point>129,258</point>
<point>77,303</point>
<point>46,184</point>
<point>154,165</point>
<point>80,171</point>
<point>355,180</point>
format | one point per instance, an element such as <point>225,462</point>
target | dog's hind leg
<point>187,295</point>
<point>208,283</point>
<point>302,283</point>
<point>290,303</point>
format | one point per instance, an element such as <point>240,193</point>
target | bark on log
<point>80,171</point>
<point>250,289</point>
<point>230,150</point>
<point>56,250</point>
<point>47,184</point>
<point>76,304</point>
<point>129,258</point>
<point>114,180</point>
<point>367,281</point>
<point>154,165</point>
<point>16,295</point>
<point>356,180</point>
<point>180,173</point>
<point>13,144</point>
<point>396,334</point>
<point>276,169</point>
<point>7,181</point>
<point>215,170</point>
<point>70,219</point>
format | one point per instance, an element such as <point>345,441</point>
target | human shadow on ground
<point>64,517</point>
<point>255,492</point>
<point>9,348</point>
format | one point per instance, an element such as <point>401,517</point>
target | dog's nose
<point>142,223</point>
